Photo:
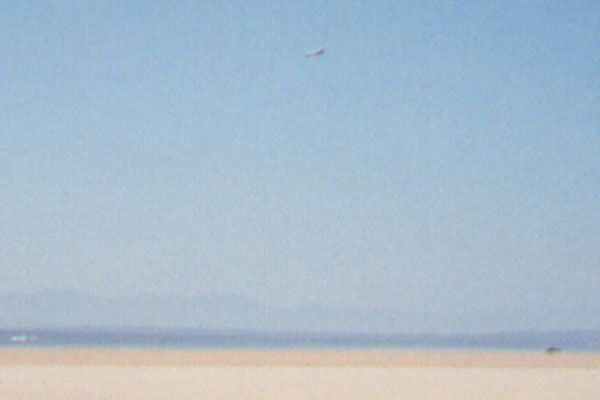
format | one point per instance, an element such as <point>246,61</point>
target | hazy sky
<point>437,157</point>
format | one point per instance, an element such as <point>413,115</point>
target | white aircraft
<point>315,53</point>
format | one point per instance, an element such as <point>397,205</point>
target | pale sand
<point>171,374</point>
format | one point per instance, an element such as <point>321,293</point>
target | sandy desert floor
<point>172,374</point>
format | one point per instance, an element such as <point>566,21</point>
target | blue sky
<point>437,157</point>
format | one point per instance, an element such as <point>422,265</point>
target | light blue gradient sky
<point>438,157</point>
